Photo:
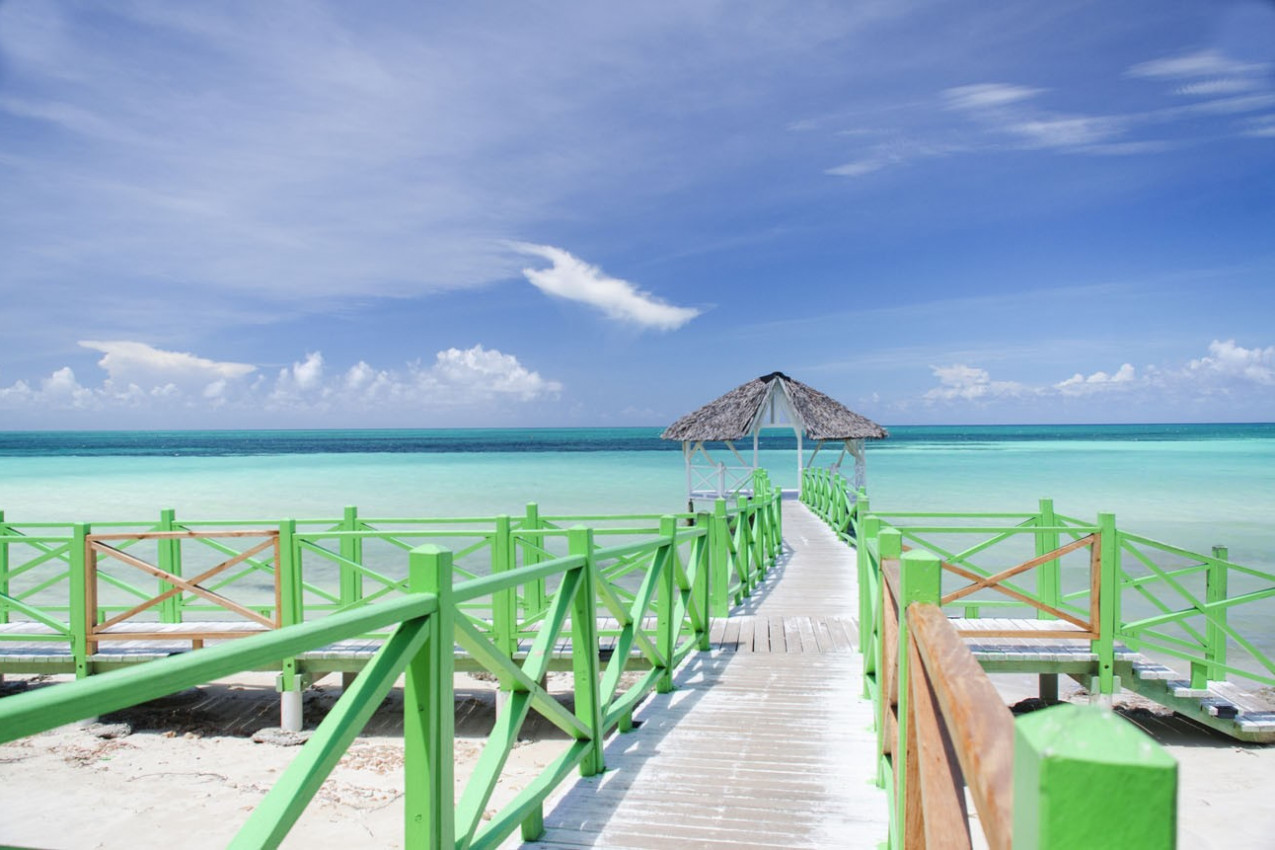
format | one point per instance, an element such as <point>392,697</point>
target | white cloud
<point>1228,369</point>
<point>1069,132</point>
<point>576,280</point>
<point>966,383</point>
<point>1078,384</point>
<point>150,380</point>
<point>129,362</point>
<point>987,95</point>
<point>860,168</point>
<point>1202,63</point>
<point>486,372</point>
<point>1221,85</point>
<point>1227,362</point>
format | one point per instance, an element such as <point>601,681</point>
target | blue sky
<point>297,214</point>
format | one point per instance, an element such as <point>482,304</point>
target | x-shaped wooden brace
<point>190,585</point>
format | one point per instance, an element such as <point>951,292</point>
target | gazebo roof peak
<point>739,413</point>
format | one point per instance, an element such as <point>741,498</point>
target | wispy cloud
<point>576,280</point>
<point>1200,63</point>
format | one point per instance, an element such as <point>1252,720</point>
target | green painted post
<point>719,536</point>
<point>666,604</point>
<point>920,580</point>
<point>429,790</point>
<point>744,550</point>
<point>584,650</point>
<point>4,569</point>
<point>291,610</point>
<point>863,562</point>
<point>889,546</point>
<point>78,586</point>
<point>1215,591</point>
<point>1108,604</point>
<point>1048,585</point>
<point>534,598</point>
<point>351,550</point>
<point>778,510</point>
<point>170,561</point>
<point>1048,574</point>
<point>1086,777</point>
<point>504,603</point>
<point>700,585</point>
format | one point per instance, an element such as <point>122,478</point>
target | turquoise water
<point>1192,485</point>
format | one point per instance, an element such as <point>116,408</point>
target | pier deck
<point>766,741</point>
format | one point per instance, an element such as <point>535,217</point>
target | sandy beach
<point>186,770</point>
<point>187,766</point>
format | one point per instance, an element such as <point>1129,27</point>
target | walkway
<point>766,742</point>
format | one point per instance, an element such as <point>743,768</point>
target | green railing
<point>80,585</point>
<point>655,589</point>
<point>944,733</point>
<point>1112,586</point>
<point>1067,776</point>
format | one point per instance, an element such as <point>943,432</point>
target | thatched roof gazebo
<point>771,401</point>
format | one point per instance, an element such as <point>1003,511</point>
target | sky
<point>307,214</point>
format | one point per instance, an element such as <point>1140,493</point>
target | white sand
<point>70,788</point>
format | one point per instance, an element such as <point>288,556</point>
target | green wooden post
<point>291,608</point>
<point>889,546</point>
<point>1108,604</point>
<point>170,561</point>
<point>78,603</point>
<point>744,546</point>
<point>863,562</point>
<point>4,569</point>
<point>534,598</point>
<point>1048,585</point>
<point>429,790</point>
<point>666,603</point>
<point>700,585</point>
<point>920,580</point>
<point>1086,777</point>
<point>1215,591</point>
<point>584,650</point>
<point>351,550</point>
<point>719,536</point>
<point>504,603</point>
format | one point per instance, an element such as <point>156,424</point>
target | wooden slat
<point>981,727</point>
<point>942,787</point>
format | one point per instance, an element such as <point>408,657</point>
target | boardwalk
<point>766,742</point>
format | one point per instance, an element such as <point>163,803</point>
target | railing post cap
<point>430,549</point>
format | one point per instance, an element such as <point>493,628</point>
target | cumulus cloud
<point>141,377</point>
<point>961,382</point>
<point>576,280</point>
<point>1227,361</point>
<point>127,361</point>
<point>490,372</point>
<point>1229,369</point>
<point>1100,381</point>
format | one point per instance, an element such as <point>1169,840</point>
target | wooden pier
<point>767,740</point>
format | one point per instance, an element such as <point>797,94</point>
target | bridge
<point>748,675</point>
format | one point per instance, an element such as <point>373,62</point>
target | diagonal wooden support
<point>181,583</point>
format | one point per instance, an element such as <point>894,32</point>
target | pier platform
<point>766,740</point>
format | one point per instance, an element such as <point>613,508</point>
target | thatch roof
<point>731,417</point>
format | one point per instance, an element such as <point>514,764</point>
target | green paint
<point>429,792</point>
<point>1085,777</point>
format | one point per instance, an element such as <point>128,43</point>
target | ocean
<point>1191,485</point>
